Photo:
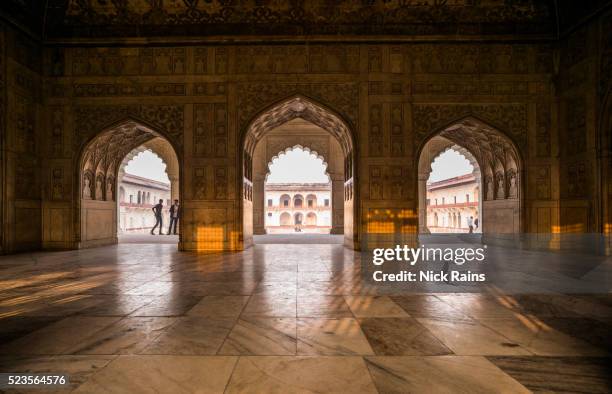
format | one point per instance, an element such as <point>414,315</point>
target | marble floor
<point>284,318</point>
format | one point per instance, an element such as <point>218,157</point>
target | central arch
<point>333,125</point>
<point>99,167</point>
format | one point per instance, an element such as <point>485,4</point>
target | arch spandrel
<point>493,149</point>
<point>298,107</point>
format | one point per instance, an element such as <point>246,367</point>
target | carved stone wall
<point>21,141</point>
<point>390,98</point>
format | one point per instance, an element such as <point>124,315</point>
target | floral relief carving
<point>510,117</point>
<point>254,97</point>
<point>92,119</point>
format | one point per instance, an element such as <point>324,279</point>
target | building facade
<point>304,206</point>
<point>137,196</point>
<point>451,202</point>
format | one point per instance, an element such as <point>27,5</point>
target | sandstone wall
<point>548,98</point>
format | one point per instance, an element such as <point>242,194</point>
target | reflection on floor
<point>298,238</point>
<point>148,239</point>
<point>283,318</point>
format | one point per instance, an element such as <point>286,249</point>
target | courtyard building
<point>451,203</point>
<point>298,207</point>
<point>137,196</point>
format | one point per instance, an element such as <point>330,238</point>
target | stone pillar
<point>480,195</point>
<point>423,176</point>
<point>174,188</point>
<point>337,203</point>
<point>259,212</point>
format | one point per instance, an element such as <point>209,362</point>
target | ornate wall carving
<point>576,126</point>
<point>221,182</point>
<point>542,183</point>
<point>25,114</point>
<point>91,119</point>
<point>512,118</point>
<point>389,182</point>
<point>128,61</point>
<point>57,184</point>
<point>254,97</point>
<point>57,131</point>
<point>577,179</point>
<point>543,129</point>
<point>470,59</point>
<point>128,89</point>
<point>199,183</point>
<point>210,137</point>
<point>376,134</point>
<point>101,19</point>
<point>398,137</point>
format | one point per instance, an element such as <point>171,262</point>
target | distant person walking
<point>470,223</point>
<point>175,214</point>
<point>157,211</point>
<point>476,224</point>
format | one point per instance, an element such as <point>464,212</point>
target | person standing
<point>157,211</point>
<point>175,213</point>
<point>476,224</point>
<point>470,223</point>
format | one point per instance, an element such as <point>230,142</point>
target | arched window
<point>311,219</point>
<point>298,201</point>
<point>299,218</point>
<point>285,219</point>
<point>311,201</point>
<point>285,200</point>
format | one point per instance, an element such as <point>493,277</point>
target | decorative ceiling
<point>66,19</point>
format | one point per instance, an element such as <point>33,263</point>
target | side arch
<point>501,164</point>
<point>101,158</point>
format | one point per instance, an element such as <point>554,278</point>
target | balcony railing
<point>455,205</point>
<point>303,207</point>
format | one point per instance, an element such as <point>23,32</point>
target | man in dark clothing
<point>175,213</point>
<point>157,211</point>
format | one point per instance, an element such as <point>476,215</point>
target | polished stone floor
<point>284,318</point>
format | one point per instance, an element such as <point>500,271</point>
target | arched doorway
<point>302,173</point>
<point>285,200</point>
<point>298,219</point>
<point>311,219</point>
<point>152,169</point>
<point>497,198</point>
<point>99,168</point>
<point>298,201</point>
<point>285,219</point>
<point>330,126</point>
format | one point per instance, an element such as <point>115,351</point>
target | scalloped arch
<point>291,148</point>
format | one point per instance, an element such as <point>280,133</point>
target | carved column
<point>259,212</point>
<point>423,176</point>
<point>337,203</point>
<point>174,188</point>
